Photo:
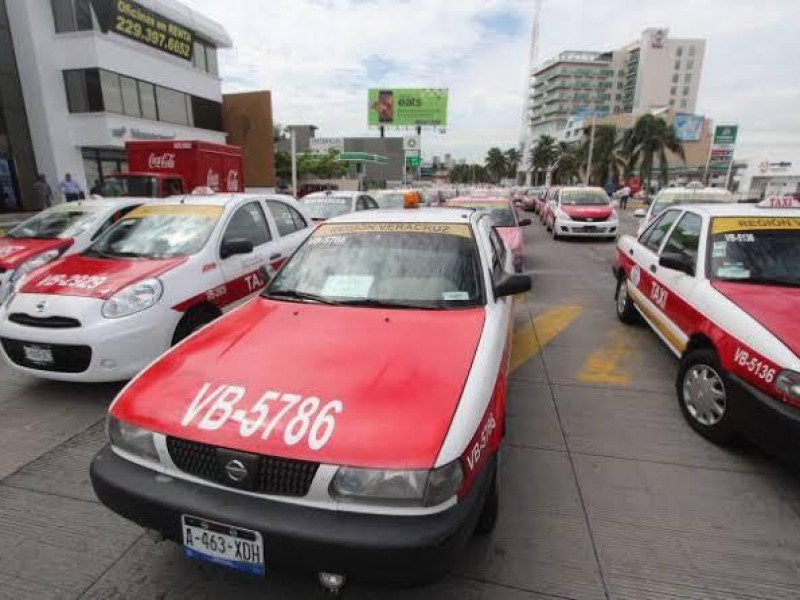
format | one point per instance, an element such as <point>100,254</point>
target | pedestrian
<point>624,195</point>
<point>96,189</point>
<point>43,192</point>
<point>70,188</point>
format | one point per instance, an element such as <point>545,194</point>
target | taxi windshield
<point>499,212</point>
<point>583,198</point>
<point>391,200</point>
<point>56,222</point>
<point>666,199</point>
<point>158,232</point>
<point>327,207</point>
<point>394,265</point>
<point>756,256</point>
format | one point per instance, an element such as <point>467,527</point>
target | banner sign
<point>323,145</point>
<point>721,155</point>
<point>725,134</point>
<point>134,21</point>
<point>407,107</point>
<point>688,128</point>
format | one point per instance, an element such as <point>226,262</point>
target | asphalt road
<point>606,492</point>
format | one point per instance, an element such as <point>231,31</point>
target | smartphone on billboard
<point>385,106</point>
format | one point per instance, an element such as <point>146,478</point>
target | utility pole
<point>591,151</point>
<point>294,162</point>
<point>533,57</point>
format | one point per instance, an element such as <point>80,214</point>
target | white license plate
<point>227,545</point>
<point>39,354</point>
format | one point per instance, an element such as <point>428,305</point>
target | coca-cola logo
<point>212,179</point>
<point>233,180</point>
<point>161,161</point>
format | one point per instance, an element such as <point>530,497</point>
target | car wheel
<point>491,508</point>
<point>192,321</point>
<point>626,311</point>
<point>703,398</point>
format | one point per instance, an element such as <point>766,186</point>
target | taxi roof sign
<point>779,202</point>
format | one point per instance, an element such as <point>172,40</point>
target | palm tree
<point>496,164</point>
<point>513,159</point>
<point>650,138</point>
<point>607,157</point>
<point>544,155</point>
<point>571,159</point>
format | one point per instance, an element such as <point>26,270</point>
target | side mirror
<point>524,222</point>
<point>677,262</point>
<point>235,246</point>
<point>639,213</point>
<point>511,285</point>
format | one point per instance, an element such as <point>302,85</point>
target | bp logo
<point>636,276</point>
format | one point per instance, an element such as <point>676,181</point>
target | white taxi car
<point>694,193</point>
<point>581,212</point>
<point>62,229</point>
<point>720,285</point>
<point>321,206</point>
<point>347,451</point>
<point>163,271</point>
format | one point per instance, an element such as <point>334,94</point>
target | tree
<point>513,158</point>
<point>323,166</point>
<point>544,155</point>
<point>496,164</point>
<point>651,138</point>
<point>277,132</point>
<point>607,155</point>
<point>283,165</point>
<point>571,159</point>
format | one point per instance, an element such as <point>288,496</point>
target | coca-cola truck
<point>164,168</point>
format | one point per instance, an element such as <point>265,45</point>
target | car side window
<point>498,254</point>
<point>685,238</point>
<point>655,234</point>
<point>361,203</point>
<point>371,204</point>
<point>248,222</point>
<point>118,214</point>
<point>287,219</point>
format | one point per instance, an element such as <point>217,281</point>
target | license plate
<point>227,545</point>
<point>589,228</point>
<point>39,354</point>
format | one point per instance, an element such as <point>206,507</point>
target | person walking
<point>70,188</point>
<point>624,195</point>
<point>44,194</point>
<point>96,189</point>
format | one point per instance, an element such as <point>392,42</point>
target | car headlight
<point>788,384</point>
<point>397,487</point>
<point>133,299</point>
<point>133,440</point>
<point>34,263</point>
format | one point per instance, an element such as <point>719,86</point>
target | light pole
<point>294,161</point>
<point>591,151</point>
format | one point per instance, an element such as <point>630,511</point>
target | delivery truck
<point>157,169</point>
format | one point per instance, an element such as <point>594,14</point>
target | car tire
<point>626,311</point>
<point>701,389</point>
<point>491,508</point>
<point>556,237</point>
<point>193,320</point>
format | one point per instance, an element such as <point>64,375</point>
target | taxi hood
<point>587,211</point>
<point>15,251</point>
<point>78,275</point>
<point>512,236</point>
<point>775,307</point>
<point>397,374</point>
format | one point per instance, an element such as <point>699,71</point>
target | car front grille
<point>66,358</point>
<point>590,219</point>
<point>272,475</point>
<point>45,322</point>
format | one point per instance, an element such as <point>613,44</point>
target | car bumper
<point>99,350</point>
<point>602,229</point>
<point>396,549</point>
<point>768,422</point>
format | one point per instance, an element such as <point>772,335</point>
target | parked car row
<point>575,211</point>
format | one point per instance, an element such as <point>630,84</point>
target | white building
<point>771,177</point>
<point>95,73</point>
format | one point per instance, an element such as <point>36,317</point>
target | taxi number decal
<point>659,295</point>
<point>7,251</point>
<point>740,237</point>
<point>754,365</point>
<point>302,417</point>
<point>474,456</point>
<point>330,240</point>
<point>80,282</point>
<point>217,292</point>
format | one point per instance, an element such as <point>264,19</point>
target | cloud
<point>318,57</point>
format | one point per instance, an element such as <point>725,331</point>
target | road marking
<point>530,339</point>
<point>608,363</point>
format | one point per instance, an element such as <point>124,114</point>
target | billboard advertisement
<point>407,107</point>
<point>323,145</point>
<point>688,128</point>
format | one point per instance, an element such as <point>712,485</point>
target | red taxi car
<point>307,430</point>
<point>505,219</point>
<point>720,285</point>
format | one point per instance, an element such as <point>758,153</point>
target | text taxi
<point>309,427</point>
<point>720,284</point>
<point>163,271</point>
<point>62,229</point>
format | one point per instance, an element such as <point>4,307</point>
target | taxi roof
<point>737,210</point>
<point>477,200</point>
<point>333,193</point>
<point>406,215</point>
<point>222,199</point>
<point>99,203</point>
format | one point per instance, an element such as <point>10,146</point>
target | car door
<point>292,229</point>
<point>246,274</point>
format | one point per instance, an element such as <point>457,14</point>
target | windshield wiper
<point>372,302</point>
<point>295,294</point>
<point>762,281</point>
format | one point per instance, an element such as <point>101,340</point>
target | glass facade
<point>17,162</point>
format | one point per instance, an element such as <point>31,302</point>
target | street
<point>605,491</point>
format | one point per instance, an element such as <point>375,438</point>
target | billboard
<point>323,145</point>
<point>721,155</point>
<point>688,128</point>
<point>407,107</point>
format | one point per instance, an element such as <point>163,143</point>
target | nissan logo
<point>235,470</point>
<point>40,305</point>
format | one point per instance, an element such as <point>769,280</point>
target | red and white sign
<point>162,162</point>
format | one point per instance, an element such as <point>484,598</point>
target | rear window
<point>583,198</point>
<point>58,222</point>
<point>327,207</point>
<point>666,199</point>
<point>391,200</point>
<point>499,212</point>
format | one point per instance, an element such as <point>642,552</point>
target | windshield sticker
<point>348,286</point>
<point>740,237</point>
<point>327,240</point>
<point>188,210</point>
<point>720,250</point>
<point>455,296</point>
<point>733,272</point>
<point>333,200</point>
<point>729,224</point>
<point>442,228</point>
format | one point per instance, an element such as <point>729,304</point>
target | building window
<point>171,106</point>
<point>199,55</point>
<point>130,97</point>
<point>211,60</point>
<point>691,50</point>
<point>72,15</point>
<point>207,114</point>
<point>686,90</point>
<point>84,93</point>
<point>687,78</point>
<point>690,65</point>
<point>112,95</point>
<point>204,56</point>
<point>675,78</point>
<point>679,51</point>
<point>672,102</point>
<point>147,100</point>
<point>677,65</point>
<point>673,90</point>
<point>684,103</point>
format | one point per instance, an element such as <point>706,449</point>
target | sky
<point>319,57</point>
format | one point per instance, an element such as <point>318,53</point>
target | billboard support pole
<point>419,166</point>
<point>591,151</point>
<point>294,162</point>
<point>708,158</point>
<point>728,174</point>
<point>383,131</point>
